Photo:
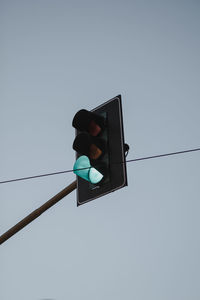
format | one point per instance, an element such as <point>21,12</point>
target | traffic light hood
<point>93,147</point>
<point>90,122</point>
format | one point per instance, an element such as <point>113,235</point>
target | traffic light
<point>100,166</point>
<point>91,143</point>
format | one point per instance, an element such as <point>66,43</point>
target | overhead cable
<point>127,161</point>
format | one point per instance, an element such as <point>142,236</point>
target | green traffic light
<point>83,169</point>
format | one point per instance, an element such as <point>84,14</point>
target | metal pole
<point>36,213</point>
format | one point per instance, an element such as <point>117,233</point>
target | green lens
<point>83,169</point>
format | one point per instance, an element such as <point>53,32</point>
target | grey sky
<point>141,242</point>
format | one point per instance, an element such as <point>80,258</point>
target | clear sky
<point>57,56</point>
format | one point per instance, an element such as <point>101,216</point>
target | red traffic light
<point>92,123</point>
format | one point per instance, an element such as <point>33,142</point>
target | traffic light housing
<point>100,166</point>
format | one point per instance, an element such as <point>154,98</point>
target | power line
<point>162,155</point>
<point>35,176</point>
<point>127,161</point>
